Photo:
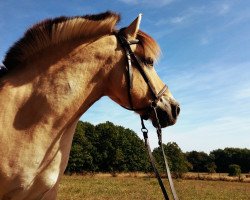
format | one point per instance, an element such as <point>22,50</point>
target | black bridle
<point>131,57</point>
<point>156,96</point>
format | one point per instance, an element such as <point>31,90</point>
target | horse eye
<point>150,61</point>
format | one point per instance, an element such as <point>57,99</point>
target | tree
<point>110,148</point>
<point>211,167</point>
<point>199,161</point>
<point>106,148</point>
<point>120,149</point>
<point>234,170</point>
<point>80,158</point>
<point>223,158</point>
<point>177,162</point>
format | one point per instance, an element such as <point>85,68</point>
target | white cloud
<point>223,9</point>
<point>203,77</point>
<point>177,20</point>
<point>204,41</point>
<point>243,93</point>
<point>171,21</point>
<point>200,15</point>
<point>216,93</point>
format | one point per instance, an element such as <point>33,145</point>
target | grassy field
<point>145,188</point>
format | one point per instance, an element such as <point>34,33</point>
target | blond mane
<point>150,47</point>
<point>58,30</point>
<point>55,31</point>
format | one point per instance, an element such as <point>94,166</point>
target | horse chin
<point>165,118</point>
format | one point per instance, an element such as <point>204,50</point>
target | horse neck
<point>60,84</point>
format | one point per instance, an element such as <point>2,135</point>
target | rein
<point>131,57</point>
<point>144,130</point>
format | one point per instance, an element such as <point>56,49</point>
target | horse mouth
<point>164,118</point>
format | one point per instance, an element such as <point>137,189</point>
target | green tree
<point>199,161</point>
<point>119,149</point>
<point>234,170</point>
<point>224,158</point>
<point>80,158</point>
<point>106,148</point>
<point>177,161</point>
<point>211,167</point>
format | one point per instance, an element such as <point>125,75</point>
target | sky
<point>205,62</point>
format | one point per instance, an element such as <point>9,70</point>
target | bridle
<point>156,96</point>
<point>131,57</point>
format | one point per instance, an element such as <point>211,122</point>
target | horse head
<point>141,89</point>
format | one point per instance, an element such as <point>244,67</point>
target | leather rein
<point>131,57</point>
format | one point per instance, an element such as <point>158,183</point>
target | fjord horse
<point>56,71</point>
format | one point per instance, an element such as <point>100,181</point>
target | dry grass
<point>137,186</point>
<point>216,177</point>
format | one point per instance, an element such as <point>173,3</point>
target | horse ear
<point>132,30</point>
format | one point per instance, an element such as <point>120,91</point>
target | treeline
<point>219,160</point>
<point>110,148</point>
<point>106,148</point>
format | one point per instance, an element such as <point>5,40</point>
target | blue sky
<point>205,61</point>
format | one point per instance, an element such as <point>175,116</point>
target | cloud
<point>204,41</point>
<point>173,20</point>
<point>243,93</point>
<point>198,17</point>
<point>223,9</point>
<point>211,92</point>
<point>177,20</point>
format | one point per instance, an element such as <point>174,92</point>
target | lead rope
<point>159,134</point>
<point>152,161</point>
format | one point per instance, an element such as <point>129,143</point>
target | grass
<point>106,187</point>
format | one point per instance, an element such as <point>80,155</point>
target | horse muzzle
<point>163,113</point>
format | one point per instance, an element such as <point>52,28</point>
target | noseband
<point>156,96</point>
<point>131,57</point>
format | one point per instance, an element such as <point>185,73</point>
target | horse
<point>55,72</point>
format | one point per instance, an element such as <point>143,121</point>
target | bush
<point>234,170</point>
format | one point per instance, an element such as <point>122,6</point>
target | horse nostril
<point>175,110</point>
<point>178,109</point>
